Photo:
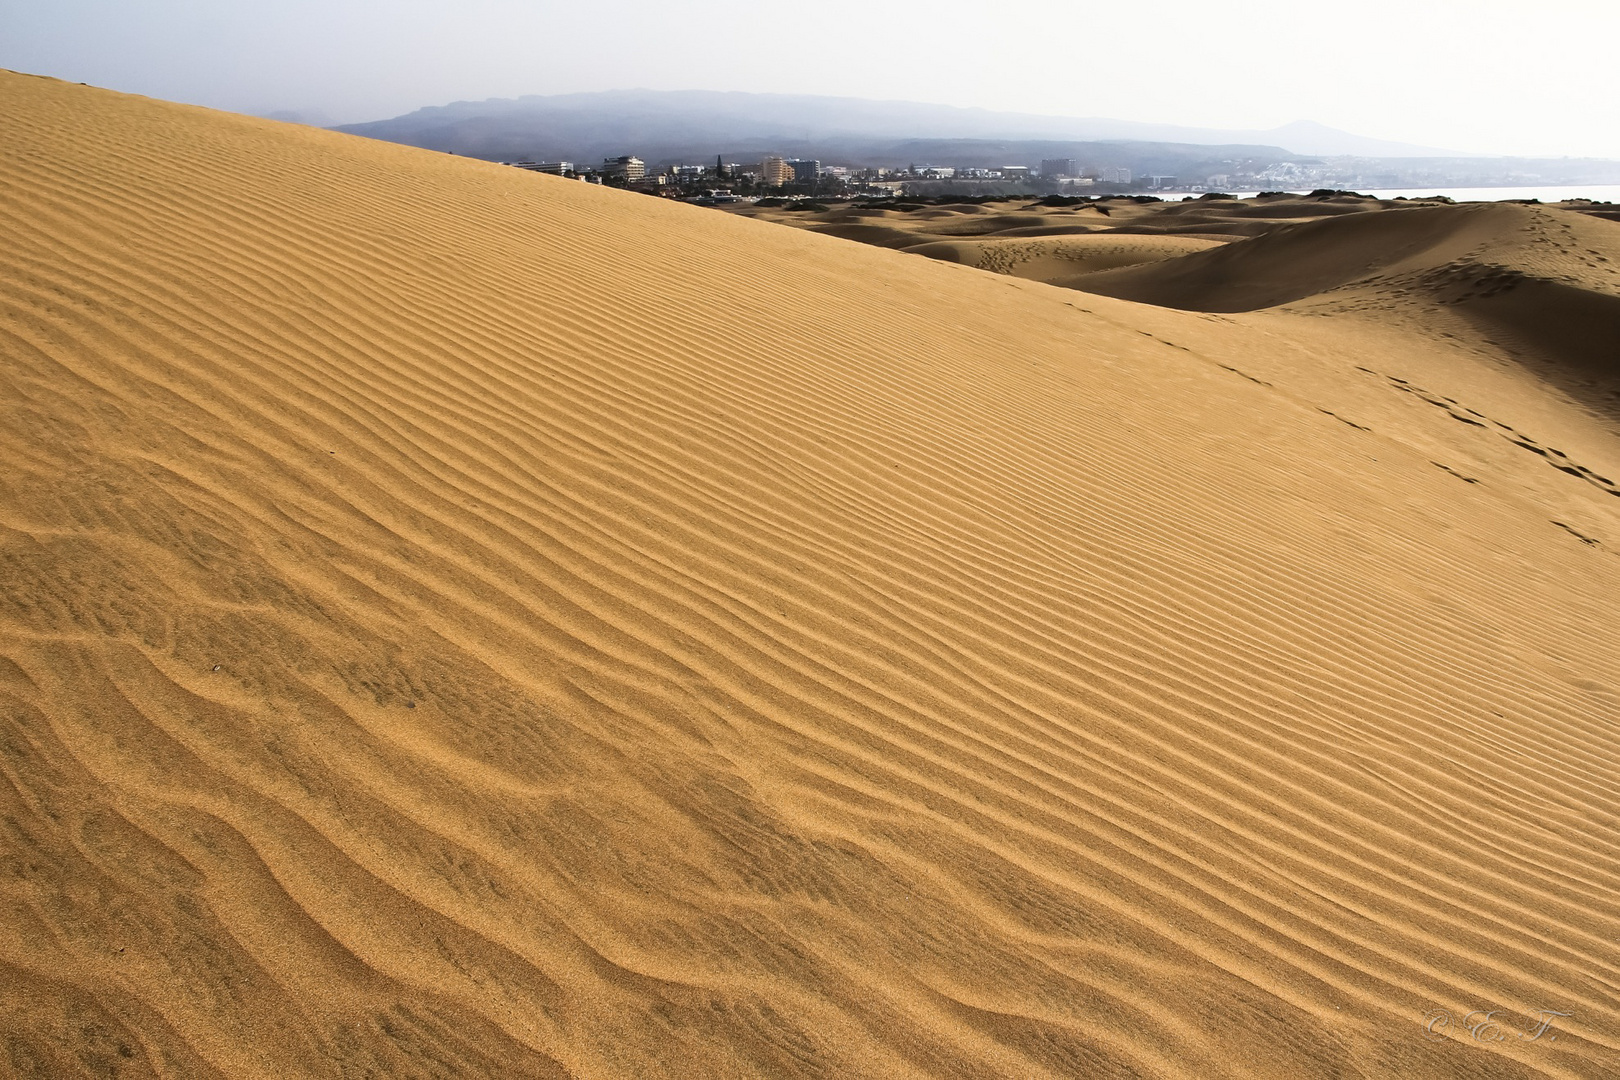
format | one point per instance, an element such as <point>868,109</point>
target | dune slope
<point>1293,263</point>
<point>1538,287</point>
<point>458,622</point>
<point>1066,262</point>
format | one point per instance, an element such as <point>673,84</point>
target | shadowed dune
<point>1066,262</point>
<point>458,622</point>
<point>1569,329</point>
<point>1542,285</point>
<point>876,235</point>
<point>1297,261</point>
<point>1126,222</point>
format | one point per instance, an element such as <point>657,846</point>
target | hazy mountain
<point>669,125</point>
<point>1309,137</point>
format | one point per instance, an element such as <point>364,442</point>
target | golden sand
<point>457,622</point>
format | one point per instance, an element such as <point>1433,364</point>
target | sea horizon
<point>1544,193</point>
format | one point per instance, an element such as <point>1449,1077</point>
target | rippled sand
<point>458,622</point>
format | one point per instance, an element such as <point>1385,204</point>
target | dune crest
<point>461,622</point>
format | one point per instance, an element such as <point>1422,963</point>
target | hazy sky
<point>1474,75</point>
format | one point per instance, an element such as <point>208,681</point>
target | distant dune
<point>1543,283</point>
<point>458,622</point>
<point>1068,260</point>
<point>1428,242</point>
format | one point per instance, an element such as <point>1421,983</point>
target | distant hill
<point>1309,137</point>
<point>673,125</point>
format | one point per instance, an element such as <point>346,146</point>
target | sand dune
<point>1065,261</point>
<point>1537,287</point>
<point>1290,264</point>
<point>1058,241</point>
<point>1541,286</point>
<point>1057,245</point>
<point>458,622</point>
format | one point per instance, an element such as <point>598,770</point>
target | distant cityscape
<point>775,175</point>
<point>729,181</point>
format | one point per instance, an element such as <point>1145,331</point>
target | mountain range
<point>673,125</point>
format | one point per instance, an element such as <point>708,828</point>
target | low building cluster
<point>799,178</point>
<point>778,175</point>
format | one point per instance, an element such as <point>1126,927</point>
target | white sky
<point>1474,75</point>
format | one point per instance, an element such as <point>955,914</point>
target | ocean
<point>1595,192</point>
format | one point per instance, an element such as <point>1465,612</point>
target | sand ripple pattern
<point>455,622</point>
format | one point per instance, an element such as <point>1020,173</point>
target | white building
<point>631,168</point>
<point>555,168</point>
